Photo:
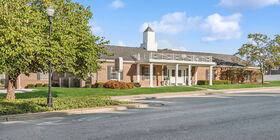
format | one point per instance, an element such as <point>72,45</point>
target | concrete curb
<point>61,113</point>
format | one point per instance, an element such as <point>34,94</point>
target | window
<point>112,74</point>
<point>173,73</point>
<point>146,73</point>
<point>214,75</point>
<point>42,76</point>
<point>180,73</point>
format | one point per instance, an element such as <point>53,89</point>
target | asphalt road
<point>238,116</point>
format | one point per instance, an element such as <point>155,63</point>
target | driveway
<point>246,116</point>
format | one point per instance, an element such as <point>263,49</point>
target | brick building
<point>152,67</point>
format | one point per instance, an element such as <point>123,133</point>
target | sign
<point>119,64</point>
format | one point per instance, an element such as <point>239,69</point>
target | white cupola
<point>149,42</point>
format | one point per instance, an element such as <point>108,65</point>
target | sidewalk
<point>4,91</point>
<point>188,94</point>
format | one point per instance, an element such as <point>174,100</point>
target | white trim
<point>111,60</point>
<point>195,76</point>
<point>176,74</point>
<point>221,66</point>
<point>190,75</point>
<point>211,76</point>
<point>138,73</point>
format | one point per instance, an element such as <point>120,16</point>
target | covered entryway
<point>181,79</point>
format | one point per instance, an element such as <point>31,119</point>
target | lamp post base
<point>49,101</point>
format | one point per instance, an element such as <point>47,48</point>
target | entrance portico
<point>177,69</point>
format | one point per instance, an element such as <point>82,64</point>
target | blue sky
<point>217,26</point>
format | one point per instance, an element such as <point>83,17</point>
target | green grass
<point>20,106</point>
<point>73,92</point>
<point>236,86</point>
<point>71,98</point>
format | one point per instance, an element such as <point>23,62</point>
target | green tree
<point>261,51</point>
<point>24,40</point>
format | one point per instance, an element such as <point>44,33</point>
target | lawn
<point>236,86</point>
<point>74,92</point>
<point>71,98</point>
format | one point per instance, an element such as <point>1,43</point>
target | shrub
<point>118,85</point>
<point>215,82</point>
<point>53,85</point>
<point>131,85</point>
<point>30,86</point>
<point>32,105</point>
<point>88,86</point>
<point>65,83</point>
<point>99,85</point>
<point>76,82</point>
<point>123,85</point>
<point>39,85</point>
<point>137,84</point>
<point>112,85</point>
<point>45,85</point>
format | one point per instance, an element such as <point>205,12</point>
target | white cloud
<point>163,44</point>
<point>247,4</point>
<point>217,27</point>
<point>121,43</point>
<point>117,4</point>
<point>95,29</point>
<point>172,23</point>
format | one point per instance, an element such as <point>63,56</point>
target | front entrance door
<point>181,76</point>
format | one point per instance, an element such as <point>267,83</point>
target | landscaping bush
<point>1,86</point>
<point>39,85</point>
<point>119,85</point>
<point>99,85</point>
<point>76,82</point>
<point>20,106</point>
<point>53,85</point>
<point>88,86</point>
<point>30,86</point>
<point>137,84</point>
<point>45,85</point>
<point>130,85</point>
<point>215,82</point>
<point>65,83</point>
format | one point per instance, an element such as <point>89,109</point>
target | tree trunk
<point>11,89</point>
<point>262,77</point>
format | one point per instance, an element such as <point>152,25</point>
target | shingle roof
<point>127,54</point>
<point>149,29</point>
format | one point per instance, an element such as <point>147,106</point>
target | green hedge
<point>20,106</point>
<point>215,82</point>
<point>30,86</point>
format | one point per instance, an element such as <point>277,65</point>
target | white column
<point>151,75</point>
<point>195,76</point>
<point>138,73</point>
<point>190,75</point>
<point>211,76</point>
<point>119,76</point>
<point>176,74</point>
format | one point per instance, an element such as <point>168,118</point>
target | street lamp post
<point>50,13</point>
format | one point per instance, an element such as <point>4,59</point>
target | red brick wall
<point>32,79</point>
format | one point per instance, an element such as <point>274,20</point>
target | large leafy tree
<point>24,39</point>
<point>261,51</point>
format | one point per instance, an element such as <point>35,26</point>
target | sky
<point>214,26</point>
